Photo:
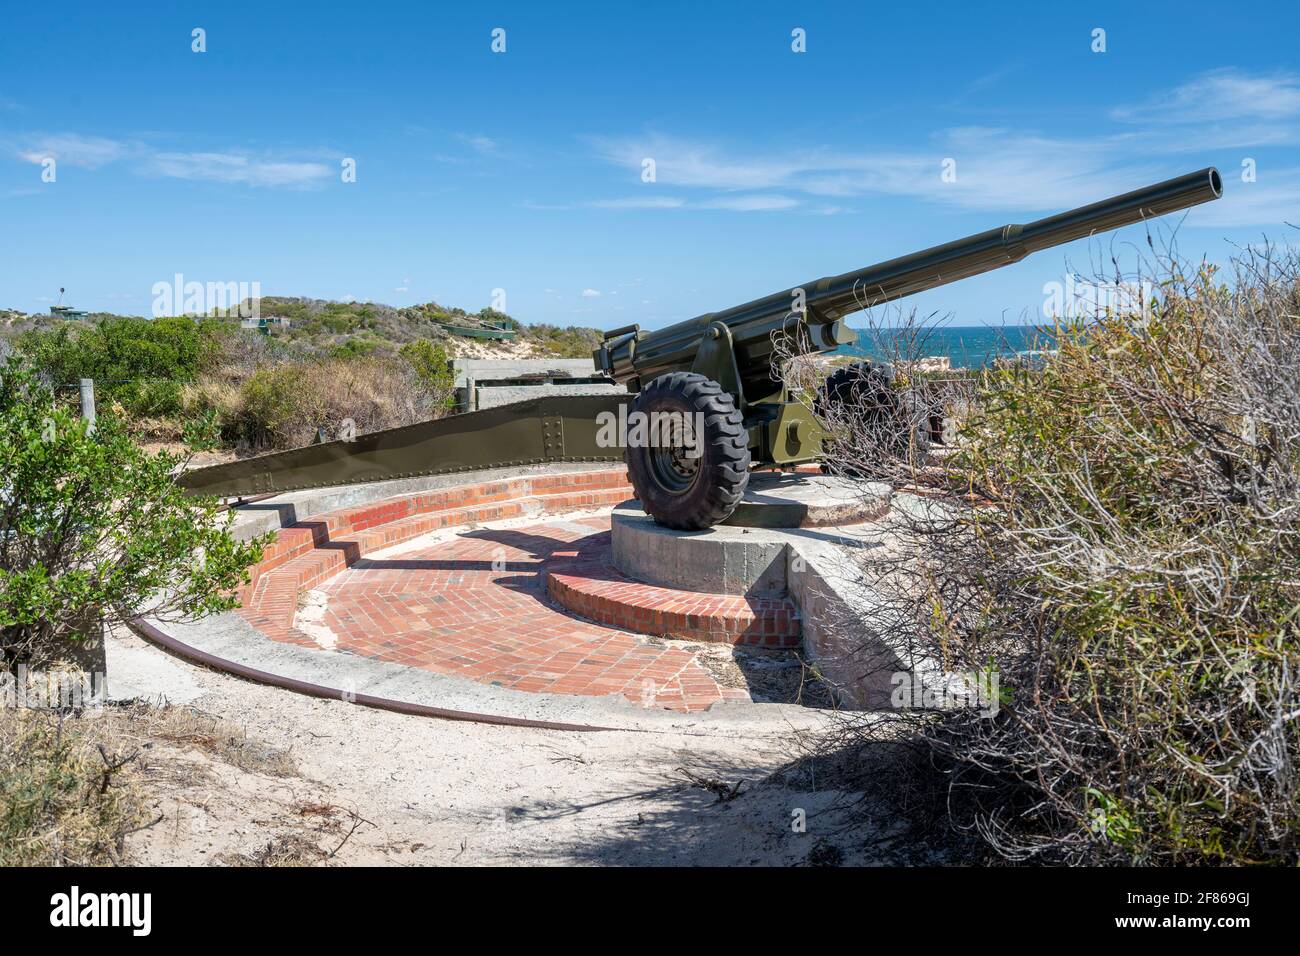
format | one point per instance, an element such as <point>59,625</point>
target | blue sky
<point>523,170</point>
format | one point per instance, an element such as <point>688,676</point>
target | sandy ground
<point>363,786</point>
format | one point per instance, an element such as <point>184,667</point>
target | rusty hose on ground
<point>164,640</point>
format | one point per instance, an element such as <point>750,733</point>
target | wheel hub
<point>673,468</point>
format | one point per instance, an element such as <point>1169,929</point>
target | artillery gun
<point>714,370</point>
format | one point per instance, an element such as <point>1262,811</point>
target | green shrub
<point>95,531</point>
<point>138,363</point>
<point>431,364</point>
<point>354,348</point>
<point>156,398</point>
<point>272,406</point>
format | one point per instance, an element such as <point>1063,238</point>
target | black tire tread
<point>725,433</point>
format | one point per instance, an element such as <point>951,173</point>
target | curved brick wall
<point>530,607</point>
<point>317,548</point>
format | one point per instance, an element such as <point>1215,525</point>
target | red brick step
<point>586,583</point>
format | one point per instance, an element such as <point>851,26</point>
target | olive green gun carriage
<point>715,369</point>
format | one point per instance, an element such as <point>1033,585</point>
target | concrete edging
<point>229,644</point>
<point>161,638</point>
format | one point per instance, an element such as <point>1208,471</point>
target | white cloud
<point>93,152</point>
<point>1224,94</point>
<point>88,152</point>
<point>755,202</point>
<point>640,202</point>
<point>683,162</point>
<point>590,294</point>
<point>997,169</point>
<point>751,203</point>
<point>480,144</point>
<point>235,168</point>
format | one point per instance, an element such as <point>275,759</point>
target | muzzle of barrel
<point>1172,195</point>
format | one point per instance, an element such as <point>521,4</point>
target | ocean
<point>966,346</point>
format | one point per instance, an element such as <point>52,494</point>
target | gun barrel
<point>827,300</point>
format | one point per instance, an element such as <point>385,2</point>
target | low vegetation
<point>1112,555</point>
<point>328,365</point>
<point>284,405</point>
<point>65,798</point>
<point>75,785</point>
<point>571,341</point>
<point>136,363</point>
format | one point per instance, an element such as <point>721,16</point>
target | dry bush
<point>1115,539</point>
<point>76,782</point>
<point>283,405</point>
<point>69,795</point>
<point>286,849</point>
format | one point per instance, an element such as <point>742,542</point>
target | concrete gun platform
<point>747,554</point>
<point>803,500</point>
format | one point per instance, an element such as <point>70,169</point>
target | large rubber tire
<point>861,396</point>
<point>681,492</point>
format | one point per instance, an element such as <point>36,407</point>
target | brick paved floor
<point>477,607</point>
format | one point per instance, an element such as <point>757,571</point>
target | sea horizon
<point>965,346</point>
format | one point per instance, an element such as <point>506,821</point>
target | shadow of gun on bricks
<point>537,545</point>
<point>442,564</point>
